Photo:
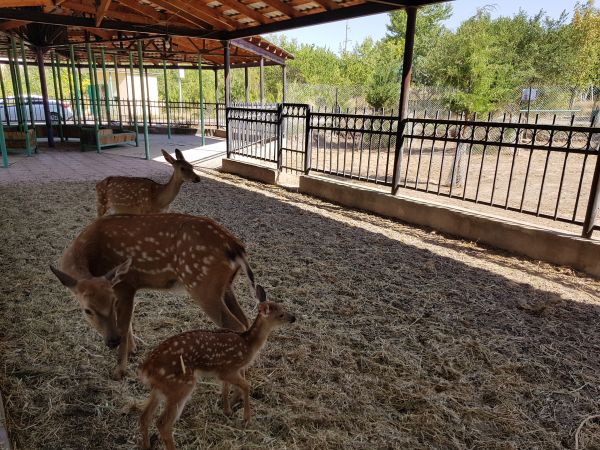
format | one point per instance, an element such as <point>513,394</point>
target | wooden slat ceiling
<point>188,26</point>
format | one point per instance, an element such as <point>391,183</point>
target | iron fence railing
<point>546,170</point>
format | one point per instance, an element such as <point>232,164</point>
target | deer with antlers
<point>172,368</point>
<point>134,195</point>
<point>117,255</point>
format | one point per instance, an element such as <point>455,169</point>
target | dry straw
<point>405,338</point>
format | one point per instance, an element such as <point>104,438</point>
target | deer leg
<point>124,313</point>
<point>238,381</point>
<point>174,406</point>
<point>210,297</point>
<point>235,308</point>
<point>146,417</point>
<point>225,394</point>
<point>131,341</point>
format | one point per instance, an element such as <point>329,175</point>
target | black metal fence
<point>545,170</point>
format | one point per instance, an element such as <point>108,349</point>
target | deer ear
<point>261,295</point>
<point>179,155</point>
<point>263,308</point>
<point>66,280</point>
<point>116,275</point>
<point>168,157</point>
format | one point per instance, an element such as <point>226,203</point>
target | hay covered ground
<point>405,338</point>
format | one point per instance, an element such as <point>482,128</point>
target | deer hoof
<point>118,373</point>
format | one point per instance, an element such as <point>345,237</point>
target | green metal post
<point>135,124</point>
<point>96,89</point>
<point>167,99</point>
<point>28,88</point>
<point>56,94</point>
<point>4,97</point>
<point>76,84</point>
<point>23,120</point>
<point>13,76</point>
<point>141,63</point>
<point>95,105</point>
<point>82,95</point>
<point>104,79</point>
<point>61,96</point>
<point>71,97</point>
<point>116,61</point>
<point>201,98</point>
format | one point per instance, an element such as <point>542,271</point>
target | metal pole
<point>56,94</point>
<point>82,95</point>
<point>61,109</point>
<point>40,60</point>
<point>76,84</point>
<point>246,85</point>
<point>217,96</point>
<point>115,58</point>
<point>105,82</point>
<point>96,90</point>
<point>28,89</point>
<point>4,97</point>
<point>227,58</point>
<point>201,98</point>
<point>141,63</point>
<point>262,80</point>
<point>19,90</point>
<point>13,75</point>
<point>71,89</point>
<point>593,203</point>
<point>411,22</point>
<point>284,81</point>
<point>148,102</point>
<point>135,124</point>
<point>95,105</point>
<point>167,99</point>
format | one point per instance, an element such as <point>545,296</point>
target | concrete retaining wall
<point>537,243</point>
<point>251,171</point>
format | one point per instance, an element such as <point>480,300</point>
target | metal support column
<point>217,96</point>
<point>117,82</point>
<point>141,64</point>
<point>29,100</point>
<point>284,82</point>
<point>411,22</point>
<point>105,83</point>
<point>93,93</point>
<point>18,90</point>
<point>76,84</point>
<point>40,61</point>
<point>55,75</point>
<point>201,98</point>
<point>135,124</point>
<point>246,85</point>
<point>83,116</point>
<point>167,98</point>
<point>262,80</point>
<point>227,68</point>
<point>3,89</point>
<point>148,103</point>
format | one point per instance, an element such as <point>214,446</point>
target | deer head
<point>271,313</point>
<point>97,299</point>
<point>182,169</point>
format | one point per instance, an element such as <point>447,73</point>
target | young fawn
<point>173,367</point>
<point>133,195</point>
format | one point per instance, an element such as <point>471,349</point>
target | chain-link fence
<point>529,104</point>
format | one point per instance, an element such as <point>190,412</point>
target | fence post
<point>279,136</point>
<point>307,143</point>
<point>228,138</point>
<point>593,202</point>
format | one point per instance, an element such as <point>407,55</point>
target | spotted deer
<point>172,369</point>
<point>133,195</point>
<point>115,256</point>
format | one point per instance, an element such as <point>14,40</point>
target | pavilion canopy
<point>213,19</point>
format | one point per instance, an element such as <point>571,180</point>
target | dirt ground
<point>405,338</point>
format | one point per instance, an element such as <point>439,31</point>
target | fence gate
<point>293,137</point>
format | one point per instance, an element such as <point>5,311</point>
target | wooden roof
<point>178,30</point>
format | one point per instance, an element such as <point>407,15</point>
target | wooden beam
<point>282,7</point>
<point>146,10</point>
<point>197,8</point>
<point>86,8</point>
<point>12,24</point>
<point>23,3</point>
<point>246,11</point>
<point>253,48</point>
<point>85,22</point>
<point>184,14</point>
<point>328,4</point>
<point>102,8</point>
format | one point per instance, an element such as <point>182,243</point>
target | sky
<point>333,35</point>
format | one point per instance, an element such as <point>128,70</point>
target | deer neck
<point>169,191</point>
<point>257,334</point>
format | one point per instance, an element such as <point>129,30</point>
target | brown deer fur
<point>132,195</point>
<point>117,255</point>
<point>172,368</point>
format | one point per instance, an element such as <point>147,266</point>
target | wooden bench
<point>106,137</point>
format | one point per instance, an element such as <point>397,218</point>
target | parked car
<point>57,110</point>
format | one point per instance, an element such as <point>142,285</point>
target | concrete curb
<point>519,238</point>
<point>251,171</point>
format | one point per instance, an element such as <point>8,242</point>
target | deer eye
<point>88,311</point>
